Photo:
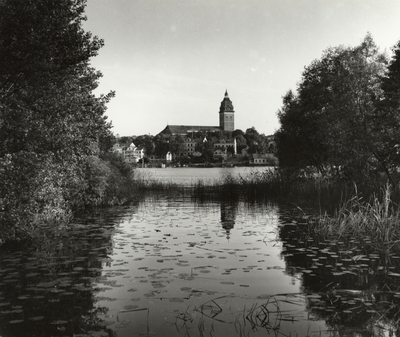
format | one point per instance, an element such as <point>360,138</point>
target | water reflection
<point>350,283</point>
<point>48,287</point>
<point>175,266</point>
<point>228,216</point>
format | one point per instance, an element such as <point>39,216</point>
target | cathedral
<point>226,121</point>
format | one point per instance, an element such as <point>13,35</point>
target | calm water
<point>191,175</point>
<point>169,265</point>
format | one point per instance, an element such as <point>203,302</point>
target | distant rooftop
<point>183,130</point>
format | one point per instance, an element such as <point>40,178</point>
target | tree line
<point>344,118</point>
<point>250,140</point>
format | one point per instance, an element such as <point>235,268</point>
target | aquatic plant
<point>379,219</point>
<point>273,184</point>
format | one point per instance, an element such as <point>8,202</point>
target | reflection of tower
<point>228,216</point>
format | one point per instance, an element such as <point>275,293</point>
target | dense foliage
<point>54,137</point>
<point>344,119</point>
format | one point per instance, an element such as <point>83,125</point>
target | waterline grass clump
<point>378,219</point>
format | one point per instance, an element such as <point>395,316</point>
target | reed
<point>277,185</point>
<point>378,218</point>
<point>145,182</point>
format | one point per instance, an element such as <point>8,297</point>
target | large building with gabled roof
<point>226,121</point>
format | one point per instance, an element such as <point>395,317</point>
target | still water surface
<point>170,265</point>
<point>191,175</point>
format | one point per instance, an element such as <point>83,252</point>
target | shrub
<point>31,194</point>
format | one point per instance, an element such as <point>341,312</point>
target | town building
<point>224,144</point>
<point>131,152</point>
<point>264,159</point>
<point>226,122</point>
<point>189,147</point>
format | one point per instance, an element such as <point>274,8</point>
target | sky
<point>170,61</point>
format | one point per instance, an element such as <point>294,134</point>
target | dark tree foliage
<point>161,145</point>
<point>389,109</point>
<point>206,149</point>
<point>298,144</point>
<point>49,114</point>
<point>46,82</point>
<point>241,142</point>
<point>237,133</point>
<point>147,142</point>
<point>391,82</point>
<point>335,123</point>
<point>256,142</point>
<point>176,144</point>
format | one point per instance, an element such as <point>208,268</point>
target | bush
<point>31,196</point>
<point>109,180</point>
<point>39,191</point>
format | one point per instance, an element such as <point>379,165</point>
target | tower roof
<point>226,104</point>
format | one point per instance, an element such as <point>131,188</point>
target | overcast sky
<point>170,61</point>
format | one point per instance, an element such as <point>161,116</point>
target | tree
<point>237,133</point>
<point>46,82</point>
<point>176,145</point>
<point>125,140</point>
<point>147,142</point>
<point>333,121</point>
<point>252,139</point>
<point>297,139</point>
<point>389,108</point>
<point>48,112</point>
<point>161,145</point>
<point>206,149</point>
<point>241,142</point>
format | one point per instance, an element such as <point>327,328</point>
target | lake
<point>173,265</point>
<point>191,175</point>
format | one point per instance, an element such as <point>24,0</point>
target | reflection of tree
<point>228,216</point>
<point>49,286</point>
<point>349,283</point>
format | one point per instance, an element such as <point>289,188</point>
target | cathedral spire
<point>226,104</point>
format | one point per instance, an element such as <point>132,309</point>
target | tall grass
<point>144,181</point>
<point>378,219</point>
<point>277,185</point>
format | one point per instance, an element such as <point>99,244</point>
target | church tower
<point>226,114</point>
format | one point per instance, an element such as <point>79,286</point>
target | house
<point>155,160</point>
<point>188,147</point>
<point>132,153</point>
<point>158,161</point>
<point>224,144</point>
<point>220,153</point>
<point>117,147</point>
<point>264,159</point>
